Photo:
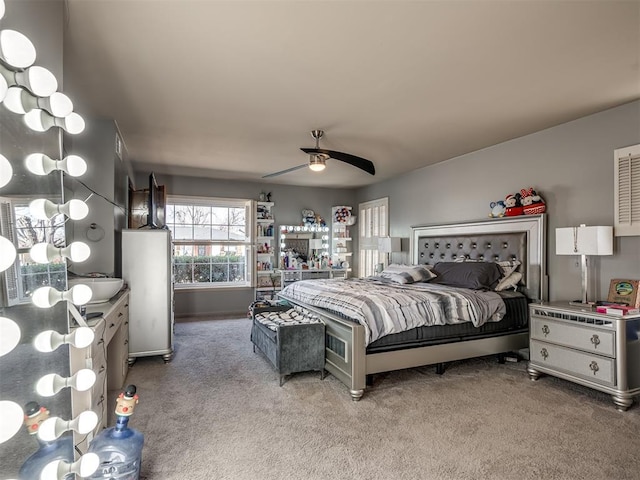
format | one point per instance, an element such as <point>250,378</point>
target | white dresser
<point>593,349</point>
<point>107,356</point>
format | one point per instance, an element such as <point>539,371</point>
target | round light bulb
<point>59,469</point>
<point>46,252</point>
<point>1,8</point>
<point>49,340</point>
<point>7,253</point>
<point>4,86</point>
<point>9,335</point>
<point>6,170</point>
<point>53,427</point>
<point>13,101</point>
<point>41,164</point>
<point>52,383</point>
<point>40,121</point>
<point>74,123</point>
<point>38,80</point>
<point>11,418</point>
<point>44,209</point>
<point>47,297</point>
<point>16,49</point>
<point>57,104</point>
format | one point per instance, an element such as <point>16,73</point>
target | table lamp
<point>388,245</point>
<point>583,241</point>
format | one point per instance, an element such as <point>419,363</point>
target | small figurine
<point>34,416</point>
<point>269,197</point>
<point>126,401</point>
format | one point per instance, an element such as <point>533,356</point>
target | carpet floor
<point>216,411</point>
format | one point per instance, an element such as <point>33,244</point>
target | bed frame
<point>522,238</point>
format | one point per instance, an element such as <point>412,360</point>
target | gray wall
<point>289,201</point>
<point>570,165</point>
<point>107,176</point>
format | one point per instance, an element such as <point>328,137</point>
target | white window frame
<point>13,280</point>
<point>374,223</point>
<point>247,242</point>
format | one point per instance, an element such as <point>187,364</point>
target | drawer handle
<point>594,367</point>
<point>126,342</point>
<point>112,325</point>
<point>544,353</point>
<point>595,341</point>
<point>120,314</point>
<point>126,305</point>
<point>545,330</point>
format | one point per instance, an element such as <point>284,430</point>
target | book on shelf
<point>620,310</point>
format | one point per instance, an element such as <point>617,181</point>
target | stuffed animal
<point>532,203</point>
<point>497,209</point>
<point>513,205</point>
<point>308,217</point>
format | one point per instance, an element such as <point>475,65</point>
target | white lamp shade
<point>583,240</point>
<point>389,244</point>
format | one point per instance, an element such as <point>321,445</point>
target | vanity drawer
<point>591,367</point>
<point>585,338</point>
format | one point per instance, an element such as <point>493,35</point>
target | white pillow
<point>508,267</point>
<point>407,273</point>
<point>509,282</point>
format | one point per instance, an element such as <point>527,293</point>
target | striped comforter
<point>384,308</point>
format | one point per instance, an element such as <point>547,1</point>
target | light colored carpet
<point>216,412</point>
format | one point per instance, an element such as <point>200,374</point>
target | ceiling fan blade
<point>281,172</point>
<point>361,163</point>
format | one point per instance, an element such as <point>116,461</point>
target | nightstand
<point>592,349</point>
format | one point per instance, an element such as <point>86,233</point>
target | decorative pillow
<point>509,282</point>
<point>472,275</point>
<point>407,273</point>
<point>508,267</point>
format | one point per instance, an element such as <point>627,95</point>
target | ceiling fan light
<point>317,163</point>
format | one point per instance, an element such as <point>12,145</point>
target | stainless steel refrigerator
<point>147,269</point>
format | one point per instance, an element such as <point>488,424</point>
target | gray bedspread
<point>384,308</point>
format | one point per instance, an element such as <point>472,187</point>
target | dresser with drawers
<point>596,350</point>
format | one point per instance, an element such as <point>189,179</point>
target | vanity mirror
<point>305,246</point>
<point>33,218</point>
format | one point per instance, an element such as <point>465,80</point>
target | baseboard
<point>210,316</point>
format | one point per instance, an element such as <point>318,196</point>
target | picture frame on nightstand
<point>624,292</point>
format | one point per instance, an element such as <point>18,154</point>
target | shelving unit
<point>341,251</point>
<point>266,258</point>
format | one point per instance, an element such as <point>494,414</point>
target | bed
<point>353,352</point>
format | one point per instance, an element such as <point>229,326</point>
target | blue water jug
<point>119,448</point>
<point>58,449</point>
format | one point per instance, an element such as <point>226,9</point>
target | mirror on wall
<point>23,366</point>
<point>304,246</point>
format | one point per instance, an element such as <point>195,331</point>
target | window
<point>211,241</point>
<point>627,190</point>
<point>374,223</point>
<point>25,276</point>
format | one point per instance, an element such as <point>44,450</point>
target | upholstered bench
<point>292,339</point>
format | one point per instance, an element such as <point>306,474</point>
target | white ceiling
<point>231,89</point>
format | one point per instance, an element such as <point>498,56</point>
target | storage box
<point>626,292</point>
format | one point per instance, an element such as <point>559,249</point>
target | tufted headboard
<point>511,238</point>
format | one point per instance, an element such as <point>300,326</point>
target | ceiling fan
<point>319,156</point>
